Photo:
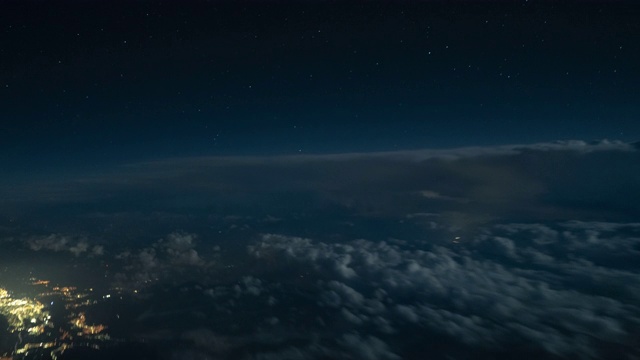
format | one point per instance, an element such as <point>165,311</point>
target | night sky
<point>90,82</point>
<point>321,180</point>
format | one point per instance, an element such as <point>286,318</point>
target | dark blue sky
<point>204,150</point>
<point>93,82</point>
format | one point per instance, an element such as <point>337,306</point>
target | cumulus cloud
<point>175,254</point>
<point>52,242</point>
<point>543,287</point>
<point>501,287</point>
<point>97,250</point>
<point>180,249</point>
<point>336,257</point>
<point>367,347</point>
<point>61,243</point>
<point>248,285</point>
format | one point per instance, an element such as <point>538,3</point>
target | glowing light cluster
<point>22,314</point>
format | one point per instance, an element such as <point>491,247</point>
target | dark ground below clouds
<point>7,339</point>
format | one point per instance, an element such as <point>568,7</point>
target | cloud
<point>577,146</point>
<point>367,347</point>
<point>537,181</point>
<point>488,255</point>
<point>52,242</point>
<point>168,258</point>
<point>180,249</point>
<point>97,250</point>
<point>434,195</point>
<point>249,285</point>
<point>336,257</point>
<point>206,339</point>
<point>408,313</point>
<point>534,286</point>
<point>311,351</point>
<point>346,346</point>
<point>499,288</point>
<point>61,243</point>
<point>346,294</point>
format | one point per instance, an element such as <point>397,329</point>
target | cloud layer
<point>478,252</point>
<point>528,285</point>
<point>469,186</point>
